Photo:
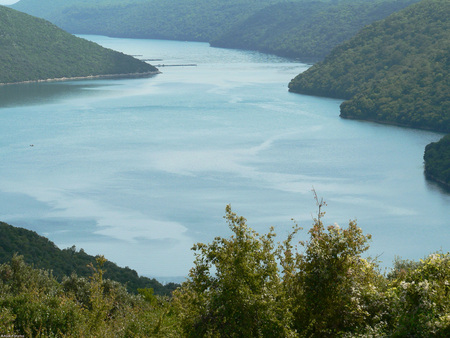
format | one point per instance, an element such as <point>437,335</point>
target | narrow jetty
<point>181,65</point>
<point>164,65</point>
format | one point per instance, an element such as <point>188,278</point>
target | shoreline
<point>395,124</point>
<point>440,182</point>
<point>101,76</point>
<point>366,119</point>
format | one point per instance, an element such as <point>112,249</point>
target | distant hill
<point>306,29</point>
<point>194,20</point>
<point>49,9</point>
<point>44,254</point>
<point>34,49</point>
<point>394,71</point>
<point>296,28</point>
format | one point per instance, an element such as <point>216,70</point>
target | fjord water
<point>140,169</point>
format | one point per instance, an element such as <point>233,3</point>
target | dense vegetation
<point>195,20</point>
<point>306,29</point>
<point>244,286</point>
<point>437,161</point>
<point>34,49</point>
<point>394,71</point>
<point>298,28</point>
<point>34,304</point>
<point>41,253</point>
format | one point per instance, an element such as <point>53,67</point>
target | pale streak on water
<point>140,169</point>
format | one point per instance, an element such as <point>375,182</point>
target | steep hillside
<point>296,28</point>
<point>306,29</point>
<point>44,254</point>
<point>394,71</point>
<point>34,49</point>
<point>195,20</point>
<point>437,161</point>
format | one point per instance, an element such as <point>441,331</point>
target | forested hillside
<point>194,20</point>
<point>306,29</point>
<point>50,9</point>
<point>394,71</point>
<point>34,49</point>
<point>297,28</point>
<point>44,254</point>
<point>437,161</point>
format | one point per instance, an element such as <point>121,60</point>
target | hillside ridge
<point>42,253</point>
<point>34,49</point>
<point>304,29</point>
<point>394,71</point>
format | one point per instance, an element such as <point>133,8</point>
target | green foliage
<point>44,254</point>
<point>394,71</point>
<point>148,295</point>
<point>234,289</point>
<point>248,286</point>
<point>437,161</point>
<point>33,304</point>
<point>34,49</point>
<point>422,299</point>
<point>327,289</point>
<point>337,290</point>
<point>33,301</point>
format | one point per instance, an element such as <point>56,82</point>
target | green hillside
<point>34,49</point>
<point>44,254</point>
<point>194,20</point>
<point>49,9</point>
<point>394,71</point>
<point>297,28</point>
<point>437,161</point>
<point>306,29</point>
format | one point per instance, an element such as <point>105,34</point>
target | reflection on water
<point>35,93</point>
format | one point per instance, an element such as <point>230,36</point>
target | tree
<point>248,286</point>
<point>335,290</point>
<point>33,304</point>
<point>234,289</point>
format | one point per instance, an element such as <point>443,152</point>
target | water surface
<point>140,169</point>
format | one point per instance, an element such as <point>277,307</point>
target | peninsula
<point>34,49</point>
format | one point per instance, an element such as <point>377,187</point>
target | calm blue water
<point>140,169</point>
